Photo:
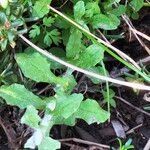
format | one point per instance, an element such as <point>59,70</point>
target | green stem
<point>107,87</point>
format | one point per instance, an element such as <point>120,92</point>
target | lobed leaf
<point>31,117</point>
<point>40,9</point>
<point>35,67</point>
<point>91,112</point>
<point>34,32</point>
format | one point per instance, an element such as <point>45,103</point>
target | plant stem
<point>107,87</point>
<point>146,4</point>
<point>92,74</point>
<point>132,66</point>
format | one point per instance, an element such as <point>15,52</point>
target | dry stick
<point>141,34</point>
<point>129,23</point>
<point>147,146</point>
<point>85,142</point>
<point>133,129</point>
<point>134,107</point>
<point>124,70</point>
<point>123,55</point>
<point>92,74</point>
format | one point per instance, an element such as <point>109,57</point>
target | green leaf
<point>111,96</point>
<point>48,21</point>
<point>73,47</point>
<point>109,22</point>
<point>34,32</point>
<point>49,143</point>
<point>47,40</point>
<point>35,139</point>
<point>31,117</point>
<point>91,56</point>
<point>70,83</point>
<point>91,112</point>
<point>3,44</point>
<point>79,10</point>
<point>35,67</point>
<point>92,8</point>
<point>66,105</point>
<point>52,36</point>
<point>40,9</point>
<point>121,9</point>
<point>98,70</point>
<point>55,36</point>
<point>3,18</point>
<point>18,95</point>
<point>4,3</point>
<point>137,4</point>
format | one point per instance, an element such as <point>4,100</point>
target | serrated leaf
<point>109,22</point>
<point>47,40</point>
<point>18,95</point>
<point>49,143</point>
<point>91,56</point>
<point>92,8</point>
<point>41,8</point>
<point>79,10</point>
<point>48,21</point>
<point>31,117</point>
<point>91,112</point>
<point>74,44</point>
<point>52,36</point>
<point>137,4</point>
<point>35,67</point>
<point>55,36</point>
<point>66,105</point>
<point>34,32</point>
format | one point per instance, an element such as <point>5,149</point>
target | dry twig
<point>134,107</point>
<point>85,142</point>
<point>92,74</point>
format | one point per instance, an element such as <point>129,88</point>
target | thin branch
<point>147,146</point>
<point>123,55</point>
<point>85,142</point>
<point>54,58</point>
<point>141,34</point>
<point>134,107</point>
<point>131,27</point>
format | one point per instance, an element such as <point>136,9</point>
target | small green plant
<point>23,67</point>
<point>125,146</point>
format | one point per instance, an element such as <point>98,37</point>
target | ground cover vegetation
<point>60,67</point>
